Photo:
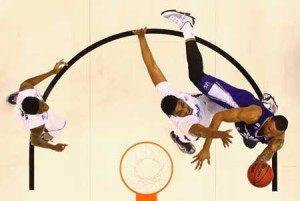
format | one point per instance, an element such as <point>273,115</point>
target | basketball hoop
<point>146,168</point>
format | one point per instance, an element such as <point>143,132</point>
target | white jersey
<point>52,122</point>
<point>203,110</point>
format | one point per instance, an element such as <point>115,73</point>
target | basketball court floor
<point>110,103</point>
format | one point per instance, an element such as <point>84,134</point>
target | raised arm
<point>155,73</point>
<point>31,82</point>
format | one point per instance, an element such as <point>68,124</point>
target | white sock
<point>187,31</point>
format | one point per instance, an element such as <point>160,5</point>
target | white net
<point>146,168</point>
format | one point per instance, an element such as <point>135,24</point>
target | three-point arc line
<point>149,31</point>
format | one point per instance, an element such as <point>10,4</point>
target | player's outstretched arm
<point>209,134</point>
<point>203,155</point>
<point>31,82</point>
<point>273,146</point>
<point>248,114</point>
<point>201,131</point>
<point>154,71</point>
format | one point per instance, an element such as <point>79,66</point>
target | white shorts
<point>54,124</point>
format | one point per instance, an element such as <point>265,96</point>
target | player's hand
<point>59,147</point>
<point>59,65</point>
<point>140,32</point>
<point>225,137</point>
<point>203,155</point>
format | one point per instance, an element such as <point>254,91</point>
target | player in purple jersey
<point>252,119</point>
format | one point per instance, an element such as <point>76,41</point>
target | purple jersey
<point>251,131</point>
<point>230,97</point>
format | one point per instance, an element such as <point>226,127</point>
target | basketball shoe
<point>269,102</point>
<point>11,98</point>
<point>178,17</point>
<point>187,148</point>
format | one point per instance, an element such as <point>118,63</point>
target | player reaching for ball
<point>252,119</point>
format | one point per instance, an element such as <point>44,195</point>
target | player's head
<point>275,126</point>
<point>172,105</point>
<point>32,105</point>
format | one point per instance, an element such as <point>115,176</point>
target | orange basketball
<point>260,174</point>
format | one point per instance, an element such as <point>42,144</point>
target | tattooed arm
<point>273,146</point>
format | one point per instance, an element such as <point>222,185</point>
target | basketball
<point>260,174</point>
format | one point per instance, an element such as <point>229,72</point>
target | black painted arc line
<point>126,34</point>
<point>153,31</point>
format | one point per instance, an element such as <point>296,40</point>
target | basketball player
<point>189,114</point>
<point>252,119</point>
<point>33,111</point>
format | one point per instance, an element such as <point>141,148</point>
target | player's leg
<point>210,86</point>
<point>194,58</point>
<point>195,62</point>
<point>225,94</point>
<point>217,90</point>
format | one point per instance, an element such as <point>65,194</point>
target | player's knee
<point>195,79</point>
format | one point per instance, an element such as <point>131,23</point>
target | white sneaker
<point>180,18</point>
<point>12,98</point>
<point>269,102</point>
<point>187,148</point>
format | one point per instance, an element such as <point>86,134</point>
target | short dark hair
<point>30,105</point>
<point>281,122</point>
<point>168,104</point>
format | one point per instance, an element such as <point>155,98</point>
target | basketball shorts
<point>54,124</point>
<point>224,94</point>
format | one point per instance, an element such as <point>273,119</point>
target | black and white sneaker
<point>187,148</point>
<point>178,17</point>
<point>11,98</point>
<point>269,102</point>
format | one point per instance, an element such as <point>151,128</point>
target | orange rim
<point>146,196</point>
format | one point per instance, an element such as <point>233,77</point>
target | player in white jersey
<point>189,115</point>
<point>33,112</point>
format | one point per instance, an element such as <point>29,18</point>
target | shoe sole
<point>270,97</point>
<point>174,139</point>
<point>173,10</point>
